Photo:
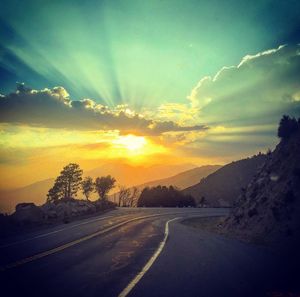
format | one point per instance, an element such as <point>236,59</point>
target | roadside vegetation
<point>69,182</point>
<point>164,197</point>
<point>128,197</point>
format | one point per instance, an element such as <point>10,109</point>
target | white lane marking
<point>52,232</point>
<point>148,265</point>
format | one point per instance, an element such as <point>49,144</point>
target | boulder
<point>63,210</point>
<point>27,213</point>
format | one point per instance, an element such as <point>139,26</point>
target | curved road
<point>101,256</point>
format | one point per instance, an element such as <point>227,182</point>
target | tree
<point>103,185</point>
<point>202,201</point>
<point>66,184</point>
<point>128,196</point>
<point>87,186</point>
<point>287,127</point>
<point>71,177</point>
<point>165,197</point>
<point>55,193</point>
<point>134,196</point>
<point>124,195</point>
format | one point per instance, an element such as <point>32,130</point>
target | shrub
<point>165,197</point>
<point>287,127</point>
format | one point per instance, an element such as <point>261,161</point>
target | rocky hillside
<point>269,208</point>
<point>223,187</point>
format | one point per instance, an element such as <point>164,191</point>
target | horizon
<point>186,167</point>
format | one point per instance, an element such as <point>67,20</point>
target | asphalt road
<point>100,256</point>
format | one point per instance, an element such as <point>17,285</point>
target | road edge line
<point>150,262</point>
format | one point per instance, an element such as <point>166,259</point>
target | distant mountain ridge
<point>184,179</point>
<point>129,175</point>
<point>181,180</point>
<point>223,187</point>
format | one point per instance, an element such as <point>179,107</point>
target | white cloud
<point>254,91</point>
<point>53,108</point>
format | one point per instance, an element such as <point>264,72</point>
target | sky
<point>200,82</point>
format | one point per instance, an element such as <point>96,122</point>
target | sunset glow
<point>132,143</point>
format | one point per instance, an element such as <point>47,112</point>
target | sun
<point>135,149</point>
<point>131,142</point>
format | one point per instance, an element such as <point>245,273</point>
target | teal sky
<point>143,53</point>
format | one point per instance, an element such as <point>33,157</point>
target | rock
<point>52,214</point>
<point>28,213</point>
<point>63,210</point>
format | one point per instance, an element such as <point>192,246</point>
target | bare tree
<point>124,195</point>
<point>128,196</point>
<point>134,196</point>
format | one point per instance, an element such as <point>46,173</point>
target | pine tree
<point>66,184</point>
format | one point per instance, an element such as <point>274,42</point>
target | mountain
<point>223,187</point>
<point>129,175</point>
<point>125,174</point>
<point>36,192</point>
<point>184,179</point>
<point>269,208</point>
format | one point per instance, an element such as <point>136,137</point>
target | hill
<point>35,192</point>
<point>269,207</point>
<point>184,179</point>
<point>223,187</point>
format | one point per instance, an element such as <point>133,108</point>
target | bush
<point>164,197</point>
<point>104,205</point>
<point>287,127</point>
